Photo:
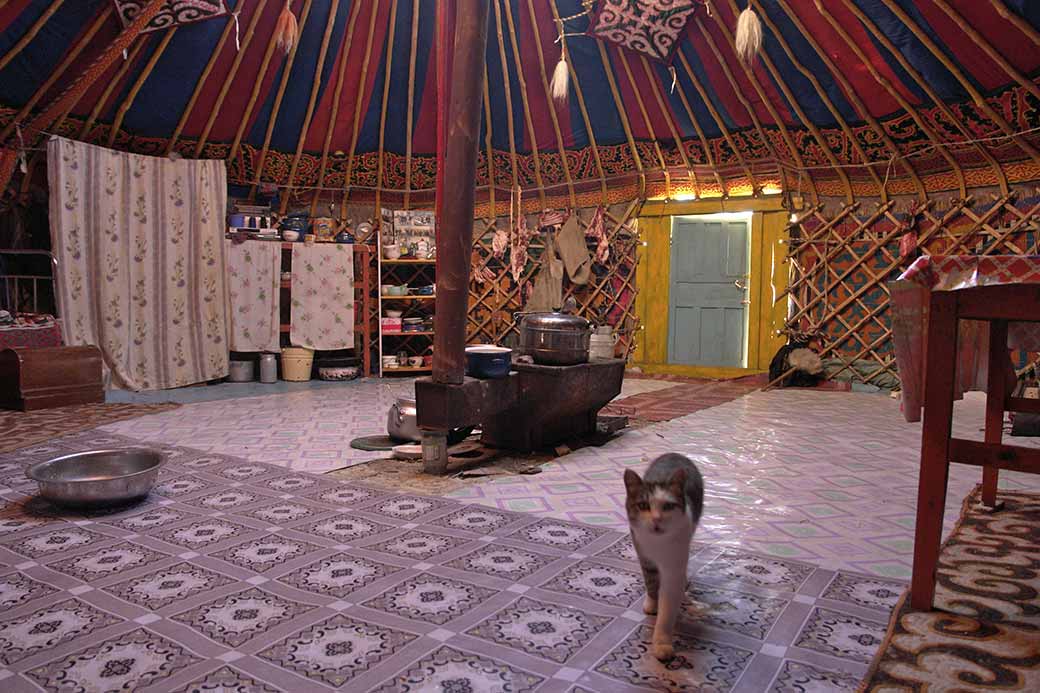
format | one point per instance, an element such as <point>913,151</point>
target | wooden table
<point>996,306</point>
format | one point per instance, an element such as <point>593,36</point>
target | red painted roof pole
<point>461,43</point>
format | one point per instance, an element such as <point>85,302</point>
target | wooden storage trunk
<point>45,377</point>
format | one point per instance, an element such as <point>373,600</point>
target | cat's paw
<point>663,651</point>
<point>649,605</point>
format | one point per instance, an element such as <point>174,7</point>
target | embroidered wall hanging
<point>173,12</point>
<point>651,27</point>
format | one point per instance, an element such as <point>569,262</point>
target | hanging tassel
<point>286,28</point>
<point>675,77</point>
<point>749,35</point>
<point>238,44</point>
<point>561,79</point>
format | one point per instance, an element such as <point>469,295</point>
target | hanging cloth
<point>253,276</point>
<point>574,251</point>
<point>547,293</point>
<point>322,296</point>
<point>140,251</point>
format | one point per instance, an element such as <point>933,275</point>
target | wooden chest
<point>45,377</point>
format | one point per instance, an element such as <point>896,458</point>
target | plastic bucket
<point>297,363</point>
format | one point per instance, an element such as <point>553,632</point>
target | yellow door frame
<point>768,280</point>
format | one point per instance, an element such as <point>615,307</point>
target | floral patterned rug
<point>20,429</point>
<point>245,576</point>
<point>985,631</point>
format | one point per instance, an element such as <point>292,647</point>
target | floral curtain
<point>254,277</point>
<point>322,296</point>
<point>140,255</point>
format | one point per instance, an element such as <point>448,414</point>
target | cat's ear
<point>679,481</point>
<point>632,482</point>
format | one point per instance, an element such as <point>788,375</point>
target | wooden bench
<point>45,377</point>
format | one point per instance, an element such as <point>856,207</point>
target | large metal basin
<point>98,477</point>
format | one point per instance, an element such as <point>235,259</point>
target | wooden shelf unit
<point>397,272</point>
<point>363,299</point>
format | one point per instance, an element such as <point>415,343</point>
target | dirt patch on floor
<point>408,476</point>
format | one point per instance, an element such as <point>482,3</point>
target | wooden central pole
<point>462,40</point>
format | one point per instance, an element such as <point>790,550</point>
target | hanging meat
<point>552,217</point>
<point>518,247</point>
<point>481,272</point>
<point>500,242</point>
<point>597,229</point>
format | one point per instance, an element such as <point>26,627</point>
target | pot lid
<point>556,321</point>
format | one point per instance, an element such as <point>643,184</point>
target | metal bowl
<point>98,477</point>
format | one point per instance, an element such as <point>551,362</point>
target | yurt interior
<point>504,346</point>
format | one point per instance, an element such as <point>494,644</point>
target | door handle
<point>739,284</point>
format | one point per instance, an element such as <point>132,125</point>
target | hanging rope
<point>234,16</point>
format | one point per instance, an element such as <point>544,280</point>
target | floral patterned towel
<point>254,274</point>
<point>322,296</point>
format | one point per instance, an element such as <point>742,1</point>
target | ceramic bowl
<point>391,252</point>
<point>290,235</point>
<point>394,313</point>
<point>415,361</point>
<point>385,289</point>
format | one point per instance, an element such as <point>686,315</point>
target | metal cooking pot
<point>401,422</point>
<point>556,338</point>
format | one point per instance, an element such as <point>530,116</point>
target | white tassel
<point>675,78</point>
<point>560,80</point>
<point>749,35</point>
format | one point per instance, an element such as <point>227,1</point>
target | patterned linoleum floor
<point>825,478</point>
<point>242,576</point>
<point>806,538</point>
<point>308,428</point>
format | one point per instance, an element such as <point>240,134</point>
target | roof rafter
<point>923,83</point>
<point>330,24</point>
<point>800,113</point>
<point>551,107</point>
<point>343,56</point>
<point>277,107</point>
<point>906,105</point>
<point>976,96</point>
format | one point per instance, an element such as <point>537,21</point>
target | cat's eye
<point>644,506</point>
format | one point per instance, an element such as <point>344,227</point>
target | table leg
<point>996,397</point>
<point>940,371</point>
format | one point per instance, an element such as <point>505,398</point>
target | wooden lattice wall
<point>840,261</point>
<point>608,298</point>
